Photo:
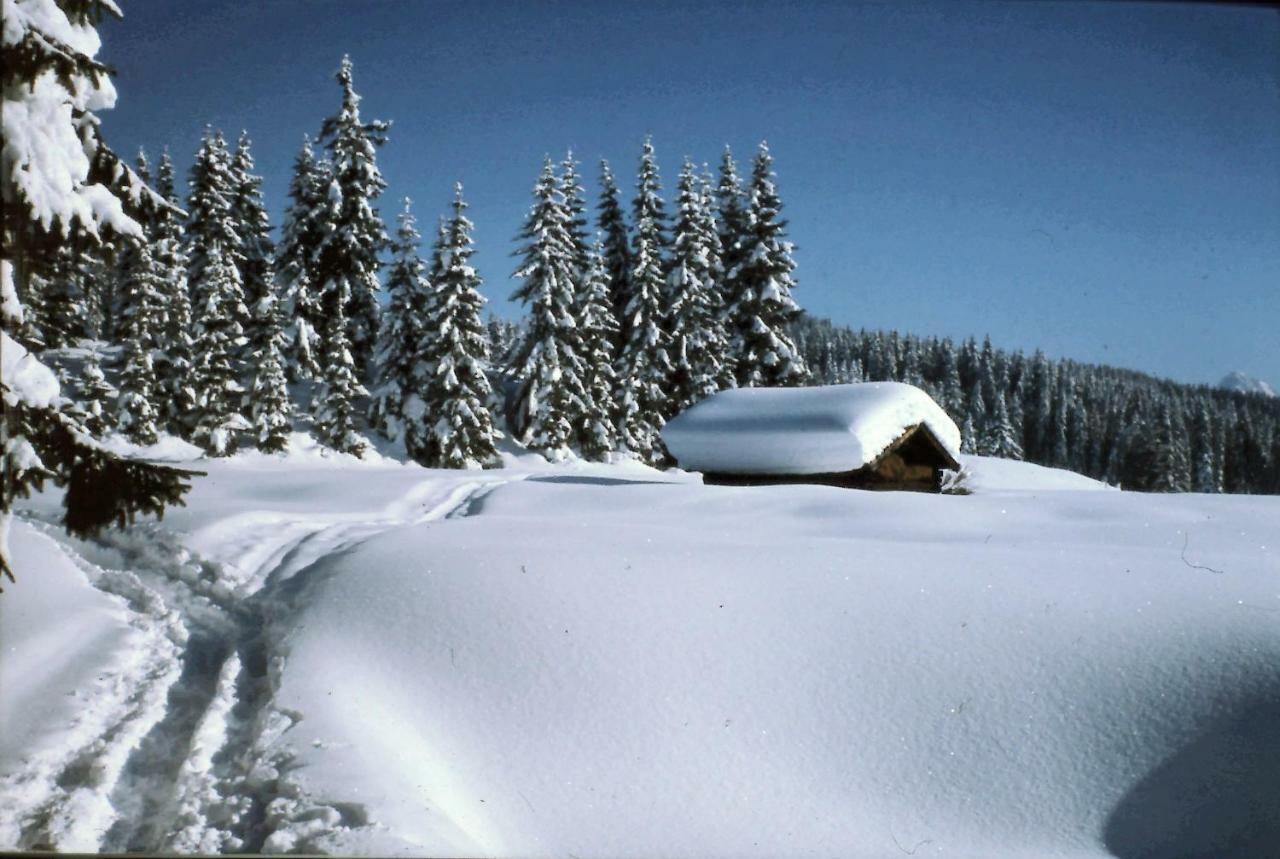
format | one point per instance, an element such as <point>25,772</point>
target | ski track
<point>178,749</point>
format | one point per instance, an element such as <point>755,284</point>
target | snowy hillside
<point>1237,381</point>
<point>325,654</point>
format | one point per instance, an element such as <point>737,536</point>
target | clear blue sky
<point>1100,180</point>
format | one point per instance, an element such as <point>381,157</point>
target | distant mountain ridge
<point>1237,381</point>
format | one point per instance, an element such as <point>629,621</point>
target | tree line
<point>1124,427</point>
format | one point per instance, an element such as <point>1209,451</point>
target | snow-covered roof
<point>818,430</point>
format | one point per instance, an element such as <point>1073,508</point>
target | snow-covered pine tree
<point>644,368</point>
<point>973,428</point>
<point>698,347</point>
<point>551,399</point>
<point>997,436</point>
<point>60,184</point>
<point>174,361</point>
<point>305,222</point>
<point>732,220</point>
<point>617,251</point>
<point>268,404</point>
<point>710,228</point>
<point>598,433</point>
<point>256,251</point>
<point>211,221</point>
<point>575,207</point>
<point>761,307</point>
<point>461,432</point>
<point>219,340</point>
<point>400,339</point>
<point>333,403</point>
<point>137,408</point>
<point>95,395</point>
<point>347,258</point>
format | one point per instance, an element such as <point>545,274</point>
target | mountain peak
<point>1237,381</point>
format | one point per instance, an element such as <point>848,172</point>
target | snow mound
<point>802,430</point>
<point>1237,381</point>
<point>990,474</point>
<point>594,668</point>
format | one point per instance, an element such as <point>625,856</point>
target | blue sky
<point>1099,180</point>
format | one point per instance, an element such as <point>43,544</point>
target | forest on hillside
<point>1128,428</point>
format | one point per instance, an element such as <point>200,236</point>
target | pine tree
<point>998,436</point>
<point>211,220</point>
<point>551,398</point>
<point>333,404</point>
<point>644,368</point>
<point>50,91</point>
<point>219,338</point>
<point>270,410</point>
<point>96,395</point>
<point>174,363</point>
<point>699,346</point>
<point>761,307</point>
<point>137,410</point>
<point>306,221</point>
<point>403,330</point>
<point>575,206</point>
<point>347,258</point>
<point>617,252</point>
<point>734,222</point>
<point>973,430</point>
<point>598,436</point>
<point>256,250</point>
<point>455,356</point>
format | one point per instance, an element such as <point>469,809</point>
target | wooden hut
<point>882,435</point>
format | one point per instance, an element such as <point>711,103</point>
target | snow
<point>988,474</point>
<point>1237,381</point>
<point>812,430</point>
<point>26,380</point>
<point>607,660</point>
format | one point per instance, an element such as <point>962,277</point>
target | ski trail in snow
<point>61,799</point>
<point>176,749</point>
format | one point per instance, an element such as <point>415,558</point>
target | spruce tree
<point>270,410</point>
<point>617,252</point>
<point>348,256</point>
<point>734,221</point>
<point>96,395</point>
<point>998,436</point>
<point>644,368</point>
<point>256,249</point>
<point>306,221</point>
<point>698,347</point>
<point>211,221</point>
<point>761,308</point>
<point>575,206</point>
<point>551,397</point>
<point>400,374</point>
<point>598,436</point>
<point>333,404</point>
<point>455,357</point>
<point>137,410</point>
<point>174,362</point>
<point>219,339</point>
<point>51,89</point>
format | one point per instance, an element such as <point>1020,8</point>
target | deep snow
<point>611,661</point>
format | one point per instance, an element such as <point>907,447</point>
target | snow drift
<point>598,661</point>
<point>814,430</point>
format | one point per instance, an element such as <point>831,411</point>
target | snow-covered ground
<point>324,654</point>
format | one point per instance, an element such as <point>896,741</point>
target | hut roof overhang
<point>797,431</point>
